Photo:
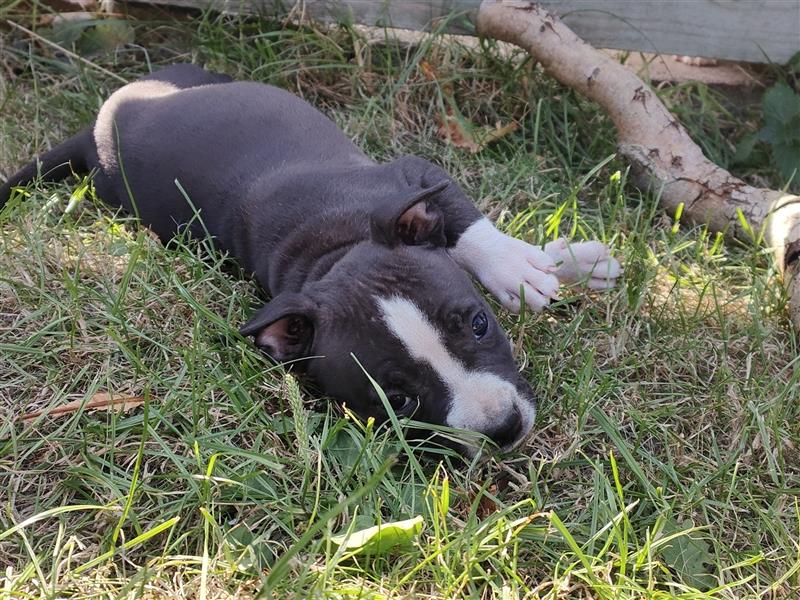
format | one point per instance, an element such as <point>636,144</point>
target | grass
<point>667,456</point>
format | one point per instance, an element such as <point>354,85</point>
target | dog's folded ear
<point>284,327</point>
<point>413,220</point>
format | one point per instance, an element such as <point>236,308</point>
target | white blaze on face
<point>105,135</point>
<point>480,401</point>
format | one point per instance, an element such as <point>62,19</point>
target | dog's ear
<point>284,327</point>
<point>415,220</point>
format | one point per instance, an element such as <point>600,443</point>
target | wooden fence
<point>747,30</point>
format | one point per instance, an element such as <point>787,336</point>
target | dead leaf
<point>486,508</point>
<point>49,19</point>
<point>431,74</point>
<point>486,505</point>
<point>78,16</point>
<point>454,128</point>
<point>456,131</point>
<point>461,134</point>
<point>101,400</point>
<point>428,70</point>
<point>489,135</point>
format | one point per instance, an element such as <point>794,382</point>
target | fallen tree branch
<point>659,150</point>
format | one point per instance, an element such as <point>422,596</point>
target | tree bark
<point>660,152</point>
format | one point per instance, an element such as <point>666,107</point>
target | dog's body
<point>360,258</point>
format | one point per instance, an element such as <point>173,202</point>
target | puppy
<point>365,260</point>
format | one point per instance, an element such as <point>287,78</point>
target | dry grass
<point>666,459</point>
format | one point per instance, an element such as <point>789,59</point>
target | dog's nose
<point>508,431</point>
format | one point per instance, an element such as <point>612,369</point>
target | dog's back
<point>77,154</point>
<point>263,130</point>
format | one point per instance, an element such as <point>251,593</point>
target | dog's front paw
<point>504,264</point>
<point>521,265</point>
<point>589,263</point>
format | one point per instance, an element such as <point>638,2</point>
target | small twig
<point>98,401</point>
<point>69,53</point>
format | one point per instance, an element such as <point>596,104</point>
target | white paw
<point>504,265</point>
<point>589,263</point>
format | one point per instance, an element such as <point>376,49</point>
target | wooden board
<point>747,30</point>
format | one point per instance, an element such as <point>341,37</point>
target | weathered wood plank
<point>748,30</point>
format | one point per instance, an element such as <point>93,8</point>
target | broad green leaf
<point>106,36</point>
<point>688,554</point>
<point>785,133</point>
<point>770,133</point>
<point>252,552</point>
<point>787,157</point>
<point>781,103</point>
<point>794,63</point>
<point>744,149</point>
<point>380,538</point>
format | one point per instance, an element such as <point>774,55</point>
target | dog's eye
<point>403,404</point>
<point>480,324</point>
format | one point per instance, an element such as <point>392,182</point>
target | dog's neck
<point>296,262</point>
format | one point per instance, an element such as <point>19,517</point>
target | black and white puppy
<point>359,258</point>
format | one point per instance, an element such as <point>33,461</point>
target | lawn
<point>666,460</point>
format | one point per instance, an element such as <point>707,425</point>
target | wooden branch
<point>660,152</point>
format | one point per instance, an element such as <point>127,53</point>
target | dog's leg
<point>56,164</point>
<point>506,265</point>
<point>589,263</point>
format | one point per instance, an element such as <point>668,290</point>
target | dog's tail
<point>59,163</point>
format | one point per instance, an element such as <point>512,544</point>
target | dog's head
<point>414,320</point>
